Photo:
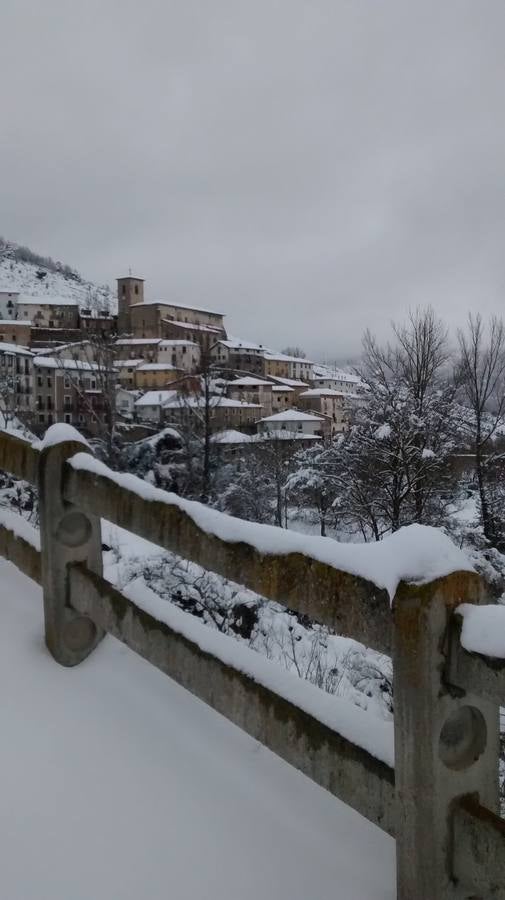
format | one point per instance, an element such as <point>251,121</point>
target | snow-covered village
<point>252,451</point>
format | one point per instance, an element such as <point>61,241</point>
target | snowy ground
<point>119,785</point>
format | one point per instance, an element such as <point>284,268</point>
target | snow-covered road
<point>116,784</point>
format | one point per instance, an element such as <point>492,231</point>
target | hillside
<point>29,273</point>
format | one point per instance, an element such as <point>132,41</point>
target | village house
<point>125,369</point>
<point>48,311</point>
<point>16,377</point>
<point>101,324</point>
<point>137,348</point>
<point>329,403</point>
<point>224,412</point>
<point>238,355</point>
<point>151,376</point>
<point>184,355</point>
<point>149,407</point>
<point>293,422</point>
<point>252,390</point>
<point>283,397</point>
<point>67,390</point>
<point>125,401</point>
<point>295,384</point>
<point>337,381</point>
<point>282,366</point>
<point>15,332</point>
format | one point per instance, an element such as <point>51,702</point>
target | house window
<point>67,399</point>
<point>49,403</point>
<point>41,418</point>
<point>39,380</point>
<point>67,381</point>
<point>68,418</point>
<point>124,289</point>
<point>136,288</point>
<point>49,419</point>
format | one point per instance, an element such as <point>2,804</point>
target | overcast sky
<point>308,167</point>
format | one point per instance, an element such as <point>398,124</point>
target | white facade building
<point>293,421</point>
<point>184,355</point>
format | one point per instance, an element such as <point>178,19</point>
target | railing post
<point>446,742</point>
<point>67,536</point>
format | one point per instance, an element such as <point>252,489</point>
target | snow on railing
<point>414,595</point>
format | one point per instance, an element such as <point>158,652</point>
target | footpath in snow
<point>118,785</point>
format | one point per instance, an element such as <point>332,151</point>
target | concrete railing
<point>440,800</point>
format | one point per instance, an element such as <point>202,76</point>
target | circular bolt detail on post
<point>79,633</point>
<point>74,529</point>
<point>463,738</point>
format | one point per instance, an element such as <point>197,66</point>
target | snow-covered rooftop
<point>283,357</point>
<point>157,367</point>
<point>5,347</point>
<point>48,362</point>
<point>232,437</point>
<point>283,388</point>
<point>249,381</point>
<point>164,791</point>
<point>209,312</point>
<point>59,348</point>
<point>289,382</point>
<point>155,398</point>
<point>323,392</point>
<point>328,373</point>
<point>128,363</point>
<point>132,342</point>
<point>292,415</point>
<point>191,326</point>
<point>46,300</point>
<point>214,402</point>
<point>15,322</point>
<point>238,344</point>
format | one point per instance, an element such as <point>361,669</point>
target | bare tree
<point>14,389</point>
<point>295,351</point>
<point>193,412</point>
<point>93,377</point>
<point>481,378</point>
<point>406,434</point>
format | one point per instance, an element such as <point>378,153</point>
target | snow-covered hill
<point>27,272</point>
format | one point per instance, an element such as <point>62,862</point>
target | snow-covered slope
<point>42,276</point>
<point>118,785</point>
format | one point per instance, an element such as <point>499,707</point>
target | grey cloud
<point>310,168</point>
